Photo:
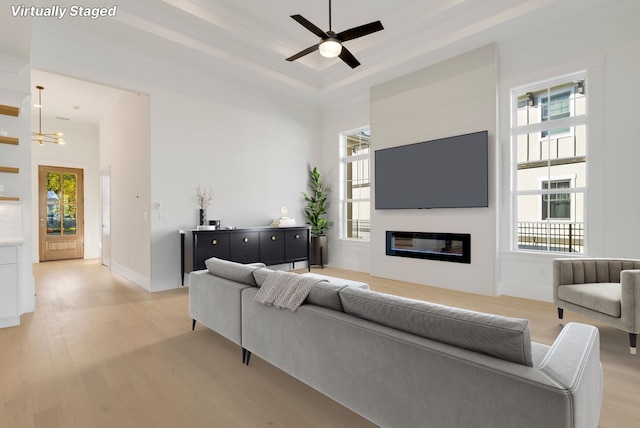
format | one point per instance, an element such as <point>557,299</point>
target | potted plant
<point>316,214</point>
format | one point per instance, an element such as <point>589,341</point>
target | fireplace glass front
<point>449,247</point>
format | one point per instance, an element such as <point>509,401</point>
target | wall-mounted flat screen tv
<point>446,173</point>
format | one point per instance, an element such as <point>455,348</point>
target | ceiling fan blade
<point>360,31</point>
<point>303,53</point>
<point>310,26</point>
<point>348,57</point>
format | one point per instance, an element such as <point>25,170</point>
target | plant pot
<point>319,250</point>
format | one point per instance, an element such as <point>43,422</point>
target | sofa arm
<point>630,300</point>
<point>573,361</point>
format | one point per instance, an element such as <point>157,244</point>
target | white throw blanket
<point>285,290</point>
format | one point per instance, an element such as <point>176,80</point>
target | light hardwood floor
<point>101,352</point>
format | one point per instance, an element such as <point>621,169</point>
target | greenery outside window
<point>356,185</point>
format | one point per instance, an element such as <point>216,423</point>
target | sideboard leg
<point>246,355</point>
<point>193,324</point>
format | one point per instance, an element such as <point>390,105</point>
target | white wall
<point>336,119</point>
<point>605,44</point>
<point>250,147</point>
<point>454,97</point>
<point>125,152</point>
<point>253,155</point>
<point>81,151</point>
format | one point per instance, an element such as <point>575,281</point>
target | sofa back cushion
<point>233,271</point>
<point>325,294</point>
<point>502,337</point>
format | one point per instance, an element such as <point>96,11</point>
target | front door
<point>61,208</point>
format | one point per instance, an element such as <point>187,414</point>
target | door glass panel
<point>62,198</point>
<point>53,203</point>
<point>69,190</point>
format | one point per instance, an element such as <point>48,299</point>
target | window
<point>556,109</point>
<point>556,206</point>
<point>549,165</point>
<point>356,191</point>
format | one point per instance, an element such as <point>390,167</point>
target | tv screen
<point>446,173</point>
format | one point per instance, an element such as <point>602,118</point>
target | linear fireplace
<point>448,247</point>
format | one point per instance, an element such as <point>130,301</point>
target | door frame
<point>105,217</point>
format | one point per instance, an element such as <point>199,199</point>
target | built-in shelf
<point>9,110</point>
<point>9,140</point>
<point>9,169</point>
<point>9,198</point>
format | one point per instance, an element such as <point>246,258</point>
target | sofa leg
<point>193,325</point>
<point>632,343</point>
<point>246,355</point>
<point>560,313</point>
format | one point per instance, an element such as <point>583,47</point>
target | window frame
<point>345,160</point>
<point>561,84</point>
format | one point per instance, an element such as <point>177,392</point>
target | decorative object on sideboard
<point>39,136</point>
<point>204,196</point>
<point>283,221</point>
<point>316,213</point>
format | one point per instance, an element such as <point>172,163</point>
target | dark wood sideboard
<point>269,245</point>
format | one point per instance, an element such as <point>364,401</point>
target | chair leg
<point>632,343</point>
<point>560,313</point>
<point>193,325</point>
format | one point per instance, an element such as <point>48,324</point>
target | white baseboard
<point>9,322</point>
<point>525,291</point>
<point>133,276</point>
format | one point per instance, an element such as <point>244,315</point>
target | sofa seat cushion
<point>233,271</point>
<point>502,337</point>
<point>601,297</point>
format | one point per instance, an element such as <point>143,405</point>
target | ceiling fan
<point>330,44</point>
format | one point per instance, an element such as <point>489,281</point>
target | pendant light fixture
<point>41,137</point>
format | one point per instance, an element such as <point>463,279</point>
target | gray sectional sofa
<point>406,363</point>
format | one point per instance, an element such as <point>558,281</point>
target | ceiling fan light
<point>330,48</point>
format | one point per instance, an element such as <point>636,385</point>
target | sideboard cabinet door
<point>272,247</point>
<point>210,245</point>
<point>296,244</point>
<point>244,247</point>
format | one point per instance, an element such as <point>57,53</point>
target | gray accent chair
<point>603,289</point>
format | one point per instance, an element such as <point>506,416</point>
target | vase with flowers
<point>204,197</point>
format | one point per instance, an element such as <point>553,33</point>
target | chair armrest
<point>573,361</point>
